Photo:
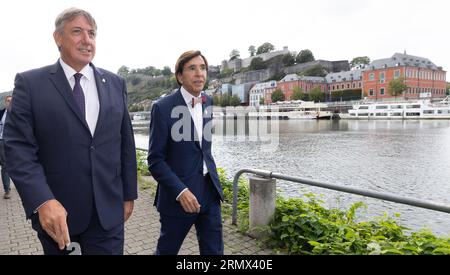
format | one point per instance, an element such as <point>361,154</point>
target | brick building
<point>423,78</point>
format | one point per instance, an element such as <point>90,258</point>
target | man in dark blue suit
<point>180,160</point>
<point>70,146</point>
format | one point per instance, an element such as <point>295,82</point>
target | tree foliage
<point>299,94</point>
<point>316,70</point>
<point>359,60</point>
<point>265,48</point>
<point>235,100</point>
<point>316,94</point>
<point>305,56</point>
<point>257,63</point>
<point>123,71</point>
<point>397,86</point>
<point>234,54</point>
<point>252,50</point>
<point>166,71</point>
<point>277,95</point>
<point>288,59</point>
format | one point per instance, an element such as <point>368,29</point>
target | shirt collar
<point>87,71</point>
<point>188,96</point>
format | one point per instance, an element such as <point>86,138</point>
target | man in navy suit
<point>70,146</point>
<point>180,160</point>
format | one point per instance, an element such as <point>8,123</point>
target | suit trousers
<point>208,225</point>
<point>5,177</point>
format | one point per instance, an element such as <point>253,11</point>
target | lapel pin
<point>103,80</point>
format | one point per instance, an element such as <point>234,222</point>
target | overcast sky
<point>139,33</point>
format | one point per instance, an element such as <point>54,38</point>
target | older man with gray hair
<point>70,146</point>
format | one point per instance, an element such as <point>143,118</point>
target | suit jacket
<point>51,153</point>
<point>178,164</point>
<point>2,111</point>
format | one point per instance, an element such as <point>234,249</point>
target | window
<point>381,91</point>
<point>396,74</point>
<point>381,107</point>
<point>396,107</point>
<point>412,114</point>
<point>371,76</point>
<point>371,92</point>
<point>381,77</point>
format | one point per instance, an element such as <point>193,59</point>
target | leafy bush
<point>142,167</point>
<point>305,226</point>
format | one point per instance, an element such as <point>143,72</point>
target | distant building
<point>305,83</point>
<point>226,89</point>
<point>259,90</point>
<point>242,91</point>
<point>344,81</point>
<point>423,78</point>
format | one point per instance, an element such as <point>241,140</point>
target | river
<point>406,158</point>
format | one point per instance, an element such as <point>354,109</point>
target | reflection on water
<point>407,158</point>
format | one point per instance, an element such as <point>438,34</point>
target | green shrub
<point>305,226</point>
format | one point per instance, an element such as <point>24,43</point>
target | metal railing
<point>336,187</point>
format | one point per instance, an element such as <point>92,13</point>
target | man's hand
<point>189,202</point>
<point>53,219</point>
<point>128,209</point>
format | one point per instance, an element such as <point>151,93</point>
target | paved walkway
<point>141,232</point>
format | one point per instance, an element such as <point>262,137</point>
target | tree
<point>265,48</point>
<point>298,94</point>
<point>234,54</point>
<point>123,71</point>
<point>316,70</point>
<point>316,94</point>
<point>359,60</point>
<point>252,50</point>
<point>257,63</point>
<point>216,100</point>
<point>288,59</point>
<point>235,101</point>
<point>261,101</point>
<point>397,86</point>
<point>305,56</point>
<point>277,95</point>
<point>166,71</point>
<point>225,100</point>
<point>448,89</point>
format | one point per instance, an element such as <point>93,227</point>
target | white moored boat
<point>419,109</point>
<point>296,109</point>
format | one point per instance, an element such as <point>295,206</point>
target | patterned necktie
<point>196,100</point>
<point>78,93</point>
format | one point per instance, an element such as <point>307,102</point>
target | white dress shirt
<point>197,117</point>
<point>89,87</point>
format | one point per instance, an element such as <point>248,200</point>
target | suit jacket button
<point>92,147</point>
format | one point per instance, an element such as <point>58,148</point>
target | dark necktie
<point>78,93</point>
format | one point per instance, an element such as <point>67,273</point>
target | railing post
<point>262,203</point>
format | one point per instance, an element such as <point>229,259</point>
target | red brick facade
<point>420,81</point>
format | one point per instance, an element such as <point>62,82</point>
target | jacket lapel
<point>59,79</point>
